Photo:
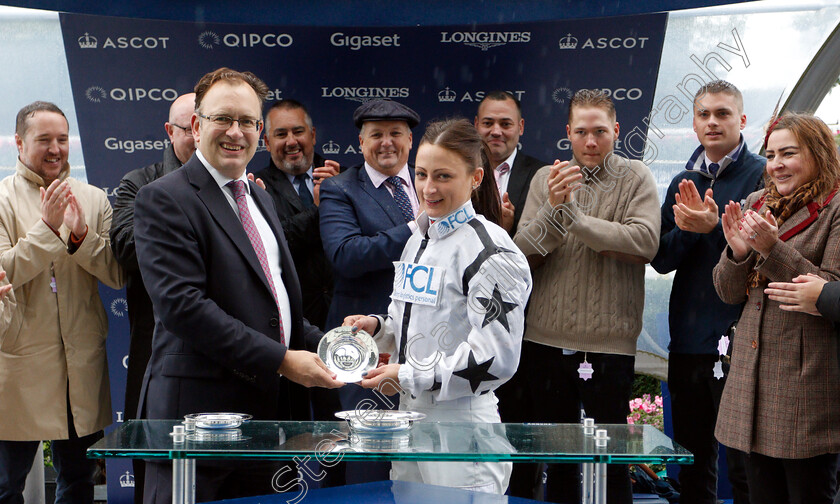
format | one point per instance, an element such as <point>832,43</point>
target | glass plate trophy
<point>348,354</point>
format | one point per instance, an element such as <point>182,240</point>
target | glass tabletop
<point>424,441</point>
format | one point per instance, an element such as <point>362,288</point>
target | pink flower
<point>638,401</point>
<point>630,421</point>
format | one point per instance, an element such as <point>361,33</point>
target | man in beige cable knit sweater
<point>588,228</point>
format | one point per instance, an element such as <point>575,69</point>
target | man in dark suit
<point>367,216</point>
<point>141,319</point>
<point>229,329</point>
<point>293,179</point>
<point>500,123</point>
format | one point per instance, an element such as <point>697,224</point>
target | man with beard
<point>293,178</point>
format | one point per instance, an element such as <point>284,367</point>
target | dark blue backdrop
<point>126,72</point>
<point>365,12</point>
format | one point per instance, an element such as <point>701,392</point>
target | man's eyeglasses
<point>225,122</point>
<point>184,128</point>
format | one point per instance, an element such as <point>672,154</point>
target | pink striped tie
<point>501,170</point>
<point>238,188</point>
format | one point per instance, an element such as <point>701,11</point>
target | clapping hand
<point>692,213</point>
<point>731,223</point>
<point>562,181</point>
<point>760,233</point>
<point>507,213</point>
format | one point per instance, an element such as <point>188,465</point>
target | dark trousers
<point>516,406</point>
<point>792,481</point>
<point>234,479</point>
<point>561,392</point>
<point>74,484</point>
<point>325,404</point>
<point>695,399</point>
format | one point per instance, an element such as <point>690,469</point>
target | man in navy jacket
<point>722,169</point>
<point>367,215</point>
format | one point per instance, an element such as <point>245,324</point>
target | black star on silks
<point>476,373</point>
<point>496,308</point>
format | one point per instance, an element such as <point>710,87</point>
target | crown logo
<point>87,42</point>
<point>568,42</point>
<point>127,480</point>
<point>347,357</point>
<point>331,148</point>
<point>447,95</point>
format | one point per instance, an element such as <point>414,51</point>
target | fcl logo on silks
<point>417,283</point>
<point>453,221</point>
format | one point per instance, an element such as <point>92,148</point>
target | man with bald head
<point>140,316</point>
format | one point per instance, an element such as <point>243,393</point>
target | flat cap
<point>383,109</point>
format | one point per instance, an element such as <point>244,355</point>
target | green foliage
<point>48,462</point>
<point>646,385</point>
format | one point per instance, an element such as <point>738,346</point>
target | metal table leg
<point>178,483</point>
<point>189,481</point>
<point>601,483</point>
<point>587,484</point>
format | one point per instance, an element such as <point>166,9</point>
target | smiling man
<point>588,228</point>
<point>293,178</point>
<point>367,216</point>
<point>500,123</point>
<point>721,169</point>
<point>54,248</point>
<point>229,333</point>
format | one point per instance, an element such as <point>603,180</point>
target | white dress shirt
<point>272,248</point>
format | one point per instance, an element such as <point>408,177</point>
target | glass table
<point>424,441</point>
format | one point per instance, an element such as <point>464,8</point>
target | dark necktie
<point>713,169</point>
<point>303,191</point>
<point>401,198</point>
<point>238,188</point>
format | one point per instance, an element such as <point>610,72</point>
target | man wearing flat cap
<point>367,216</point>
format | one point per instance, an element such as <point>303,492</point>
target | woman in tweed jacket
<point>781,403</point>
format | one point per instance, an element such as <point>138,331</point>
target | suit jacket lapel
<point>290,280</point>
<point>382,196</point>
<point>288,192</point>
<point>217,204</point>
<point>518,183</point>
